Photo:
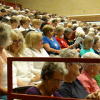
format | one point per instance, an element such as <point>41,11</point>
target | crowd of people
<point>31,33</point>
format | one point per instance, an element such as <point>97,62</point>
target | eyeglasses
<point>17,41</point>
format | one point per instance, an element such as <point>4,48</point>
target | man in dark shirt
<point>73,90</point>
<point>71,87</point>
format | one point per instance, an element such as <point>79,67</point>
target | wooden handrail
<point>12,95</point>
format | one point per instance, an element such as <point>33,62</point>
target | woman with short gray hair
<point>72,86</point>
<point>89,72</point>
<point>52,74</point>
<point>5,31</point>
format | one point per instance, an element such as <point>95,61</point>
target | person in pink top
<point>90,70</point>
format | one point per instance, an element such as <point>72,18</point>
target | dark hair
<point>13,20</point>
<point>50,68</point>
<point>3,10</point>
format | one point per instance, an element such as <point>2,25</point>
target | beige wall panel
<point>63,7</point>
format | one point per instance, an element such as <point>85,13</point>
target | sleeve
<point>45,40</point>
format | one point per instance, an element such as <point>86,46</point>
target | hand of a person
<point>94,95</point>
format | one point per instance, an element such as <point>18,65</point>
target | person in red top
<point>90,71</point>
<point>59,37</point>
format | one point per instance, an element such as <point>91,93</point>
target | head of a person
<point>91,68</point>
<point>14,22</point>
<point>18,43</point>
<point>54,22</point>
<point>34,40</point>
<point>68,33</point>
<point>73,68</point>
<point>69,25</point>
<point>3,12</point>
<point>80,34</point>
<point>25,21</point>
<point>48,30</point>
<point>88,42</point>
<point>92,34</point>
<point>96,44</point>
<point>59,30</point>
<point>5,31</point>
<point>36,23</point>
<point>52,74</point>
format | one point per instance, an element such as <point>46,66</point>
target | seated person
<point>90,70</point>
<point>49,42</point>
<point>24,70</point>
<point>51,76</point>
<point>72,87</point>
<point>35,48</point>
<point>5,31</point>
<point>87,45</point>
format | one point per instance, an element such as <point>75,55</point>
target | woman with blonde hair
<point>18,44</point>
<point>25,70</point>
<point>35,48</point>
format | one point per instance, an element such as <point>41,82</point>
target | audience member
<point>49,42</point>
<point>51,76</point>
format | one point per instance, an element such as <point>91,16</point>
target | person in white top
<point>25,70</point>
<point>35,48</point>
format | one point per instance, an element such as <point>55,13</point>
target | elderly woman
<point>25,70</point>
<point>89,72</point>
<point>51,75</point>
<point>59,37</point>
<point>49,42</point>
<point>72,86</point>
<point>5,31</point>
<point>35,49</point>
<point>68,36</point>
<point>18,44</point>
<point>87,45</point>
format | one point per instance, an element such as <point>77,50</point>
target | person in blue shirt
<point>49,42</point>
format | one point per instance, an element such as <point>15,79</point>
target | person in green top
<point>97,78</point>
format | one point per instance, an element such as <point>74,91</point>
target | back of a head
<point>87,40</point>
<point>69,53</point>
<point>90,55</point>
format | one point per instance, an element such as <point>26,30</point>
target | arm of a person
<point>94,95</point>
<point>2,90</point>
<point>49,49</point>
<point>21,83</point>
<point>36,78</point>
